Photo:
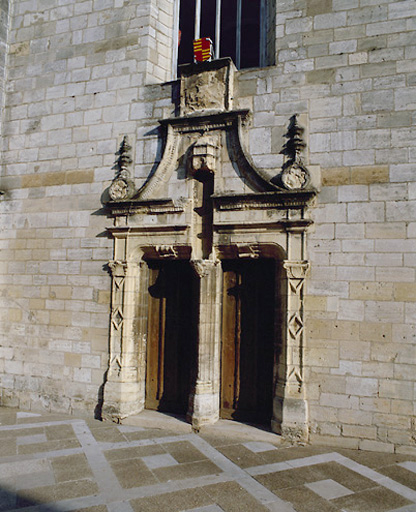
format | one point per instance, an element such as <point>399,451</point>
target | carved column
<point>124,388</point>
<point>204,398</point>
<point>290,415</point>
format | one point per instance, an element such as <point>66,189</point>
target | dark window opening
<point>240,29</point>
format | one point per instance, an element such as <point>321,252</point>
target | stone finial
<point>124,160</point>
<point>123,186</point>
<point>295,175</point>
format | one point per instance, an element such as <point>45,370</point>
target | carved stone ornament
<point>206,87</point>
<point>203,158</point>
<point>166,251</point>
<point>123,186</point>
<point>296,269</point>
<point>117,267</point>
<point>203,267</point>
<point>295,174</point>
<point>251,251</point>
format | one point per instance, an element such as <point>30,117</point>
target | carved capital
<point>118,268</point>
<point>296,269</point>
<point>202,268</point>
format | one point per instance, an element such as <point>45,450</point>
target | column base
<point>203,409</point>
<point>121,399</point>
<point>290,419</point>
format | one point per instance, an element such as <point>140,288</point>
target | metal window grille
<point>228,23</point>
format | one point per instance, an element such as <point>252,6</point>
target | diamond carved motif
<point>117,318</point>
<point>295,326</point>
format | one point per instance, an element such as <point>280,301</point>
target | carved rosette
<point>296,272</point>
<point>121,188</point>
<point>295,176</point>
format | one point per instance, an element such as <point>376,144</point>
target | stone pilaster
<point>290,416</point>
<point>124,387</point>
<point>204,398</point>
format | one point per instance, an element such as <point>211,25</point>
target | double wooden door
<point>247,340</point>
<point>171,341</point>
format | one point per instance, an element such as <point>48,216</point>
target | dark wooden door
<point>171,336</point>
<point>247,340</point>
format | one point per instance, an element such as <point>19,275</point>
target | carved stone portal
<point>205,217</point>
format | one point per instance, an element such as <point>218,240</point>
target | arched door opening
<point>248,334</point>
<point>171,335</point>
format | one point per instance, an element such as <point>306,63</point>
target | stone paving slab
<point>52,463</point>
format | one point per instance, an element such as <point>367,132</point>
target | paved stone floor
<point>52,462</point>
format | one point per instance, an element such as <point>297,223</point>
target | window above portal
<point>241,29</point>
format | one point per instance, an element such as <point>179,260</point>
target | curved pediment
<point>197,141</point>
<point>206,143</point>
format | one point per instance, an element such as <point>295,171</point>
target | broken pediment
<point>206,144</point>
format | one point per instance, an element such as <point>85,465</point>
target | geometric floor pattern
<point>51,463</point>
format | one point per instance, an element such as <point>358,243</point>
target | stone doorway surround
<point>204,203</point>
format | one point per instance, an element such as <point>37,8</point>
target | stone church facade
<point>233,239</point>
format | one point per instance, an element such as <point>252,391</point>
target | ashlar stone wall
<point>82,74</point>
<point>354,68</point>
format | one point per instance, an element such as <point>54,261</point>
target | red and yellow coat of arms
<point>203,49</point>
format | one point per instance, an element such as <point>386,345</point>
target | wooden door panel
<point>171,336</point>
<point>247,340</point>
<point>230,348</point>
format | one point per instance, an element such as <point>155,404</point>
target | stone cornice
<point>205,122</point>
<point>281,200</point>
